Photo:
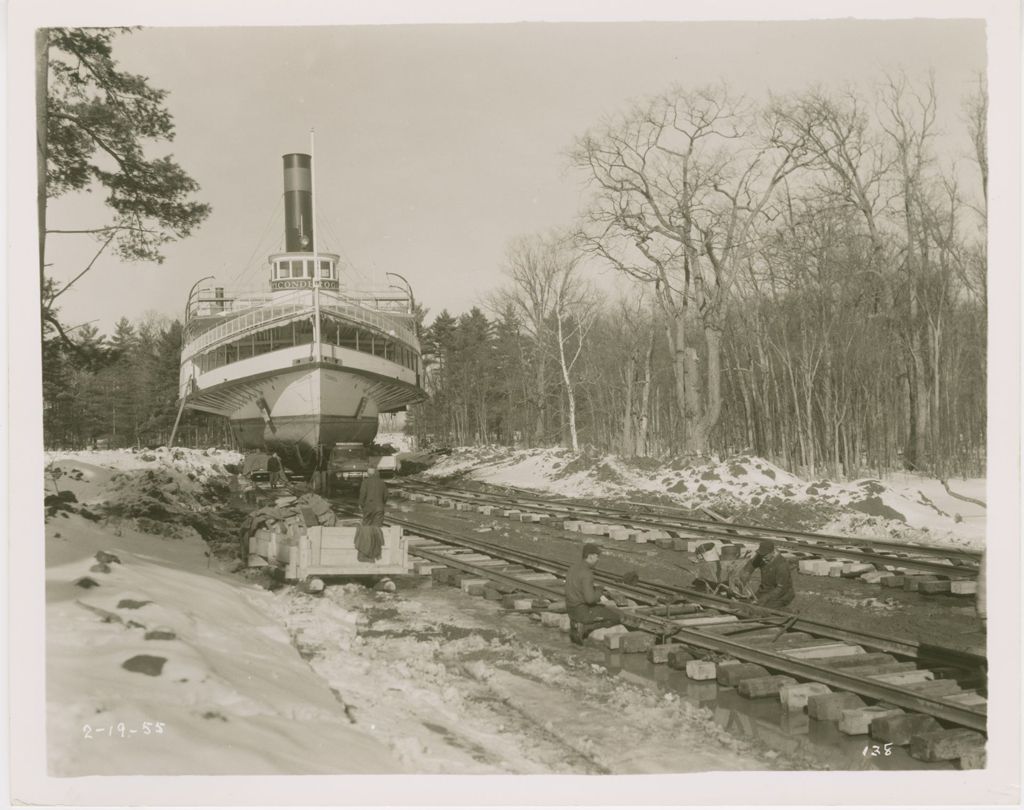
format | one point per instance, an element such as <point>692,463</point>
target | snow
<point>174,663</point>
<point>899,507</point>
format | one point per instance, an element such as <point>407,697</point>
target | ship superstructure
<point>308,363</point>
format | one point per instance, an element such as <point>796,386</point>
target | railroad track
<point>952,564</point>
<point>866,681</point>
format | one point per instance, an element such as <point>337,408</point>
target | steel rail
<point>781,536</point>
<point>667,629</point>
<point>655,593</point>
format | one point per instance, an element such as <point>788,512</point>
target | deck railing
<point>274,310</point>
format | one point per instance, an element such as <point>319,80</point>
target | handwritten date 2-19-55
<point>123,730</point>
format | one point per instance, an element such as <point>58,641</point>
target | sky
<point>435,145</point>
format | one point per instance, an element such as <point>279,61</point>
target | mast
<point>317,349</point>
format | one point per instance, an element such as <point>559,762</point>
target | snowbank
<point>166,666</point>
<point>902,506</point>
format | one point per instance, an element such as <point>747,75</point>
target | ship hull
<point>298,411</point>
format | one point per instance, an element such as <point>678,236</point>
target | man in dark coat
<point>776,590</point>
<point>373,494</point>
<point>583,599</point>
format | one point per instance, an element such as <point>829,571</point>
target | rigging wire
<point>248,267</point>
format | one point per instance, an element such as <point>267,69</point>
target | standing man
<point>776,590</point>
<point>274,469</point>
<point>583,600</point>
<point>373,494</point>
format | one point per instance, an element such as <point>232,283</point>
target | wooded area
<point>803,279</point>
<point>806,282</point>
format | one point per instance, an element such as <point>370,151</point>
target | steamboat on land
<point>310,361</point>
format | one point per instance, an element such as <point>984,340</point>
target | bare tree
<point>682,183</point>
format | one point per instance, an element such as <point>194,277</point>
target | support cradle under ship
<point>308,364</point>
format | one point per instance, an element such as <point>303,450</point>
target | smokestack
<point>298,204</point>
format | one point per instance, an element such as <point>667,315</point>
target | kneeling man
<point>583,600</point>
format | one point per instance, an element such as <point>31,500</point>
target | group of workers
<point>590,609</point>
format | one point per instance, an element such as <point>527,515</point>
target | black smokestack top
<point>298,204</point>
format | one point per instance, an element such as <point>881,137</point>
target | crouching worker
<point>776,589</point>
<point>583,600</point>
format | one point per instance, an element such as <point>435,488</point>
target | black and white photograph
<point>534,392</point>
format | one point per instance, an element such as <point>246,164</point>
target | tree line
<point>804,279</point>
<point>120,390</point>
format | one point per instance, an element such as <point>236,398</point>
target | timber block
<point>830,651</point>
<point>953,743</point>
<point>970,699</point>
<point>618,534</point>
<point>701,670</point>
<point>691,544</point>
<point>522,604</point>
<point>832,706</point>
<point>485,510</point>
<point>614,636</point>
<point>702,620</point>
<point>913,581</point>
<point>899,728</point>
<point>815,568</point>
<point>508,601</point>
<point>665,543</point>
<point>732,674</point>
<point>852,570</point>
<point>858,721</point>
<point>973,761</point>
<point>564,622</point>
<point>849,661</point>
<point>474,586</point>
<point>512,514</point>
<point>572,525</point>
<point>794,696</point>
<point>791,639</point>
<point>595,529</point>
<point>873,577</point>
<point>893,581</point>
<point>963,587</point>
<point>530,517</point>
<point>659,653</point>
<point>880,669</point>
<point>835,570</point>
<point>440,574</point>
<point>939,586</point>
<point>904,677</point>
<point>638,536</point>
<point>934,689</point>
<point>549,619</point>
<point>636,641</point>
<point>492,594</point>
<point>678,659</point>
<point>763,687</point>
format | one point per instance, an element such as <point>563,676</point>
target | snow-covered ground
<point>900,506</point>
<point>163,659</point>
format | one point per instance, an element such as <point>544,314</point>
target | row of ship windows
<point>300,333</point>
<point>302,268</point>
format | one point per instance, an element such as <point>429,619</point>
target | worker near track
<point>274,469</point>
<point>373,494</point>
<point>776,589</point>
<point>583,600</point>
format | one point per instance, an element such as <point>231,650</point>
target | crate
<point>327,551</point>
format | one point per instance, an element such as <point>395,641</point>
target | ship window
<point>282,270</point>
<point>325,270</point>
